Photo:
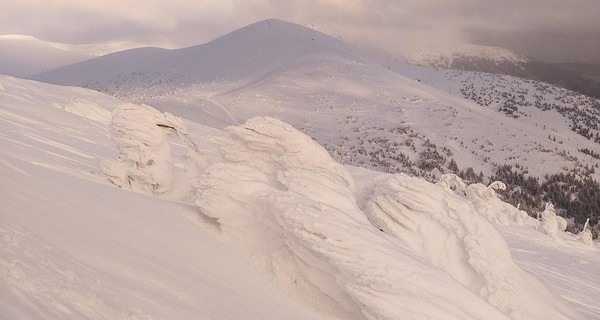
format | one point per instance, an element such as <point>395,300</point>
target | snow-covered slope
<point>244,55</point>
<point>339,241</point>
<point>366,111</point>
<point>73,246</point>
<point>461,55</point>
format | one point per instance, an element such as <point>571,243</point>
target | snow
<point>552,224</point>
<point>376,113</point>
<point>497,211</point>
<point>145,162</point>
<point>455,237</point>
<point>74,246</point>
<point>118,210</point>
<point>286,189</point>
<point>445,56</point>
<point>260,223</point>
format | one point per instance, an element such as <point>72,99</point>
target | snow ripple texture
<point>285,204</point>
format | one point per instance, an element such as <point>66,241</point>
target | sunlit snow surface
<point>258,223</point>
<point>379,113</point>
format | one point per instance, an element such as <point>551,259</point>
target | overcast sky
<point>558,30</point>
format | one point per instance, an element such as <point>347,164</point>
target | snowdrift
<point>453,235</point>
<point>73,246</point>
<point>290,209</point>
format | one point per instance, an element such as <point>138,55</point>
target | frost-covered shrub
<point>453,182</point>
<point>485,200</point>
<point>562,223</point>
<point>585,237</point>
<point>497,185</point>
<point>552,224</point>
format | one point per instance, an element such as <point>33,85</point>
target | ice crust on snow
<point>291,209</point>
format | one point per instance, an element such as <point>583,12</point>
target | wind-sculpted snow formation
<point>485,200</point>
<point>145,162</point>
<point>72,246</point>
<point>286,205</point>
<point>455,236</point>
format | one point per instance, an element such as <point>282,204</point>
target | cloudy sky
<point>556,30</point>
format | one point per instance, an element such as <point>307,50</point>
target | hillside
<point>239,57</point>
<point>468,57</point>
<point>581,78</point>
<point>144,215</point>
<point>366,111</point>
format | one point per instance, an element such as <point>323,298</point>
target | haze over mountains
<point>277,163</point>
<point>24,56</point>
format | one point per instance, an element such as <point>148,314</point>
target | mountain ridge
<point>235,55</point>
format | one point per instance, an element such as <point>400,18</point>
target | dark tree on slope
<point>577,198</point>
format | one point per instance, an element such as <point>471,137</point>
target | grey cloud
<point>551,29</point>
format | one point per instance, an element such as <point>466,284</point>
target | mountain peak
<point>273,23</point>
<point>277,30</point>
<point>249,52</point>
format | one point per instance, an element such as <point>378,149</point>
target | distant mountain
<point>248,53</point>
<point>24,56</point>
<point>372,112</point>
<point>582,78</point>
<point>466,57</point>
